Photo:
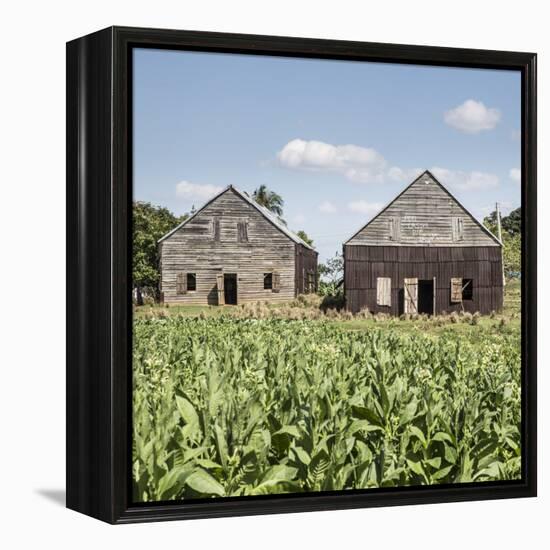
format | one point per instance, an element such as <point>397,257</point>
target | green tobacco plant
<point>226,407</point>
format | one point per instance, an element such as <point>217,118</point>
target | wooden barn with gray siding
<point>423,253</point>
<point>231,251</point>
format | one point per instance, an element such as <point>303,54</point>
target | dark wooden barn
<point>231,251</point>
<point>423,253</point>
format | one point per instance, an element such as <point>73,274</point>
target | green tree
<point>511,239</point>
<point>150,223</point>
<point>331,275</point>
<point>304,236</point>
<point>512,222</point>
<point>511,254</point>
<point>269,199</point>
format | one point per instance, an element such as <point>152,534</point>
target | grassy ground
<point>506,322</point>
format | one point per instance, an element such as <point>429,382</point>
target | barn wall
<point>192,249</point>
<point>363,264</point>
<point>306,261</point>
<point>425,211</point>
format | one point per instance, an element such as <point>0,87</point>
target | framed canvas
<point>301,274</point>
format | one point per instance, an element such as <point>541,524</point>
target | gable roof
<point>274,220</point>
<point>428,173</point>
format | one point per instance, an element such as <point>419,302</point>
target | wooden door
<point>411,296</point>
<point>219,284</point>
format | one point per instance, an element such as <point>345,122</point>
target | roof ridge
<point>270,216</point>
<point>403,191</point>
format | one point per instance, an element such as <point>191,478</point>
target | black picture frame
<point>99,195</point>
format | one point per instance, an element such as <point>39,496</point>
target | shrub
<point>364,314</point>
<point>467,317</point>
<point>333,302</point>
<point>346,315</point>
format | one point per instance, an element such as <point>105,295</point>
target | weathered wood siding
<point>424,214</point>
<point>306,263</point>
<point>364,264</point>
<point>195,248</point>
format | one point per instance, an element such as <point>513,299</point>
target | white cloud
<point>472,117</point>
<point>515,175</point>
<point>401,175</point>
<point>465,181</point>
<point>364,207</point>
<point>364,165</point>
<point>196,191</point>
<point>356,163</point>
<point>327,207</point>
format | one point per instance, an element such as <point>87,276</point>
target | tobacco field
<point>225,407</point>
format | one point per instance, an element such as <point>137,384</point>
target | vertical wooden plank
<point>239,232</point>
<point>242,231</point>
<point>216,229</point>
<point>457,228</point>
<point>395,228</point>
<point>390,253</point>
<point>276,287</point>
<point>376,254</point>
<point>220,287</point>
<point>181,283</point>
<point>434,290</point>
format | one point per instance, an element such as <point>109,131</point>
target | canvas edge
<point>107,463</point>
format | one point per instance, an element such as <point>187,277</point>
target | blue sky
<point>337,139</point>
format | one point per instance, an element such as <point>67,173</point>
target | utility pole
<point>499,228</point>
<point>499,235</point>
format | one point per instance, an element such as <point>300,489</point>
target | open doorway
<point>230,288</point>
<point>426,296</point>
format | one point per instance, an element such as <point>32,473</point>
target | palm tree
<point>305,237</point>
<point>269,199</point>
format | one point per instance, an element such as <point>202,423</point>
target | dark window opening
<point>467,289</point>
<point>191,281</point>
<point>268,281</point>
